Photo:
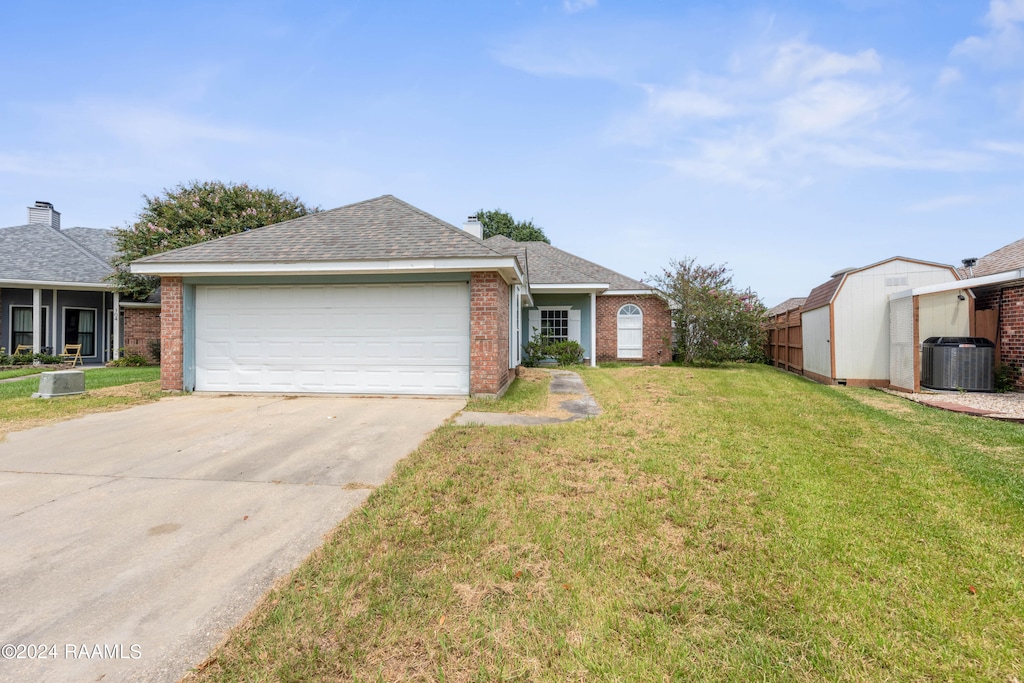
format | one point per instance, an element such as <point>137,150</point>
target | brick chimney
<point>43,212</point>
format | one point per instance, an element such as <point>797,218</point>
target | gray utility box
<point>60,383</point>
<point>958,363</point>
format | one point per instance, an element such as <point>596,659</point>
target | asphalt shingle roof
<point>40,253</point>
<point>786,306</point>
<point>823,293</point>
<point>548,265</point>
<point>1010,257</point>
<point>371,230</point>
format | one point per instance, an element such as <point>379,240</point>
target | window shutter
<point>574,326</point>
<point>534,319</point>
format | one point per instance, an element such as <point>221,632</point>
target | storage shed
<point>846,322</point>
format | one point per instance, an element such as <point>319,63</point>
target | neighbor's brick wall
<point>171,333</point>
<point>1011,328</point>
<point>657,328</point>
<point>141,326</point>
<point>489,373</point>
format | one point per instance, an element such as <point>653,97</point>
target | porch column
<point>593,329</point>
<point>52,334</point>
<point>117,326</point>
<point>37,318</point>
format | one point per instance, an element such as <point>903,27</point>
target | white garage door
<point>373,339</point>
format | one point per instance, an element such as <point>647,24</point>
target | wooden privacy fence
<point>786,342</point>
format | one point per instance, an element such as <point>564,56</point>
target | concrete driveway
<point>133,541</point>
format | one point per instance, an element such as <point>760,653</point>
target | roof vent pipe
<point>969,266</point>
<point>474,227</point>
<point>43,212</point>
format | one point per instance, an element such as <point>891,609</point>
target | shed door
<point>361,339</point>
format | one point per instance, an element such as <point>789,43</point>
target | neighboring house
<point>54,292</point>
<point>999,315</point>
<point>845,322</point>
<point>379,297</point>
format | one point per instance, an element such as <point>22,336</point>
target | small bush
<point>1006,378</point>
<point>29,359</point>
<point>129,360</point>
<point>540,348</point>
<point>566,352</point>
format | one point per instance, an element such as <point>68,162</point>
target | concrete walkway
<point>580,407</point>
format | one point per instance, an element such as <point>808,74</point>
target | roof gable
<point>384,228</point>
<point>824,293</point>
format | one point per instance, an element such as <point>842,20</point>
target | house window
<point>631,332</point>
<point>554,324</point>
<point>21,327</point>
<point>80,328</point>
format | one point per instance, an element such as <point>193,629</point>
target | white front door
<point>363,339</point>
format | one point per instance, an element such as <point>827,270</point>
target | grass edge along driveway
<point>714,524</point>
<point>106,389</point>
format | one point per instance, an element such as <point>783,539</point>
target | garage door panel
<point>410,338</point>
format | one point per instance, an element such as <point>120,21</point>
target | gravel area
<point>1004,405</point>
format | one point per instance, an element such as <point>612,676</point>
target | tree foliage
<point>715,322</point>
<point>500,222</point>
<point>192,213</point>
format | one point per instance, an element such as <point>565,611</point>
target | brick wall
<point>489,373</point>
<point>657,328</point>
<point>141,327</point>
<point>171,333</point>
<point>1011,328</point>
<point>986,300</point>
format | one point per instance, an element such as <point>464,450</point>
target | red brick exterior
<point>489,373</point>
<point>171,334</point>
<point>1011,328</point>
<point>657,328</point>
<point>141,327</point>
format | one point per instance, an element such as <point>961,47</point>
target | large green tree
<point>500,222</point>
<point>192,213</point>
<point>715,321</point>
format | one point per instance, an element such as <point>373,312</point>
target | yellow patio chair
<point>74,353</point>
<point>22,348</point>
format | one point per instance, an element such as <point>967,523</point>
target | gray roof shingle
<point>1010,257</point>
<point>786,306</point>
<point>375,229</point>
<point>548,265</point>
<point>40,253</point>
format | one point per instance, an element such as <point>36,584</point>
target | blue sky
<point>786,139</point>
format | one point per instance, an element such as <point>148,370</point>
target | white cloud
<point>687,103</point>
<point>948,76</point>
<point>832,107</point>
<point>940,203</point>
<point>799,62</point>
<point>1003,44</point>
<point>1011,148</point>
<point>161,128</point>
<point>573,6</point>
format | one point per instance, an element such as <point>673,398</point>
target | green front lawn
<point>106,389</point>
<point>713,524</point>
